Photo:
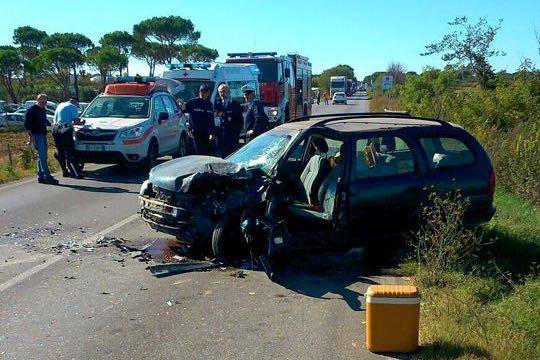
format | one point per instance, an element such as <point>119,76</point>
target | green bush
<point>506,119</point>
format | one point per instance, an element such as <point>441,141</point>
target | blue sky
<point>364,34</point>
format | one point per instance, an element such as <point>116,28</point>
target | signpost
<point>386,82</point>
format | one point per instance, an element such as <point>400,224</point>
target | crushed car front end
<point>187,196</point>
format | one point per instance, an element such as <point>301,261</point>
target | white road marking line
<point>55,258</point>
<point>24,260</point>
<point>110,229</point>
<point>26,274</point>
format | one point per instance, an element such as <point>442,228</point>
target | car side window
<point>383,156</point>
<point>159,107</point>
<point>168,105</point>
<point>446,152</point>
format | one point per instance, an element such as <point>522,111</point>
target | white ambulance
<point>189,77</point>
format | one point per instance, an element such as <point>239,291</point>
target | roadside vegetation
<point>58,63</point>
<point>481,287</point>
<point>17,157</point>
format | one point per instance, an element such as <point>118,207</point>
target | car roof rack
<point>326,118</point>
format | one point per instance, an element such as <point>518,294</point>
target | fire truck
<point>284,83</point>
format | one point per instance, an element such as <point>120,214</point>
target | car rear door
<point>455,162</point>
<point>384,185</point>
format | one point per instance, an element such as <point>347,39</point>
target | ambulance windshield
<point>190,89</point>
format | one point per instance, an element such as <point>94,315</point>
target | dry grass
<point>17,157</point>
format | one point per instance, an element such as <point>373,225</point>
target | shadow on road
<point>98,189</point>
<point>117,174</point>
<point>324,275</point>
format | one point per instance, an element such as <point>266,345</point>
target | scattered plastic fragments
<point>69,245</point>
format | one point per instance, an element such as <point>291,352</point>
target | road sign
<point>387,82</point>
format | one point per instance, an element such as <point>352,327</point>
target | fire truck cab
<point>134,121</point>
<point>284,83</point>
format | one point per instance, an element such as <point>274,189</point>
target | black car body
<point>332,181</point>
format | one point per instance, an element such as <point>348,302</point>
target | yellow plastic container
<point>392,318</point>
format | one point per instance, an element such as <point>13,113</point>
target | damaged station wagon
<point>329,180</point>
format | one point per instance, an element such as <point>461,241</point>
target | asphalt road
<point>98,303</point>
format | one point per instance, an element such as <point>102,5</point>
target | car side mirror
<point>287,73</point>
<point>163,116</point>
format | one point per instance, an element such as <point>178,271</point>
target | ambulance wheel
<point>182,147</point>
<point>152,155</point>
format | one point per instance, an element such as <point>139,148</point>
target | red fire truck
<point>284,83</point>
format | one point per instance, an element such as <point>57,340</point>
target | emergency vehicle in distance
<point>189,77</point>
<point>284,81</point>
<point>337,84</point>
<point>134,121</point>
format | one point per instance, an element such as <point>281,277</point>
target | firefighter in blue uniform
<point>256,118</point>
<point>201,122</point>
<point>229,112</point>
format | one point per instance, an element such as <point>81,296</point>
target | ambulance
<point>134,121</point>
<point>189,77</point>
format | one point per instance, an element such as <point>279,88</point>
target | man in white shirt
<point>65,116</point>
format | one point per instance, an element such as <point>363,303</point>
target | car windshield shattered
<point>119,107</point>
<point>265,150</point>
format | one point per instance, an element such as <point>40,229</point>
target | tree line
<point>59,59</point>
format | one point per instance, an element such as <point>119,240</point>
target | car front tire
<point>152,154</point>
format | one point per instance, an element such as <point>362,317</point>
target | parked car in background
<point>343,180</point>
<point>51,105</point>
<point>16,119</point>
<point>339,98</point>
<point>12,107</point>
<point>3,118</point>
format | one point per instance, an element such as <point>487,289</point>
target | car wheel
<point>182,147</point>
<point>152,154</point>
<point>226,240</point>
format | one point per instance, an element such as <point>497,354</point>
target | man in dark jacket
<point>35,123</point>
<point>231,121</point>
<point>201,122</point>
<point>256,118</point>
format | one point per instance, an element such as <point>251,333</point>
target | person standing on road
<point>256,118</point>
<point>231,121</point>
<point>35,122</point>
<point>201,122</point>
<point>65,116</point>
<point>325,97</point>
<point>318,98</point>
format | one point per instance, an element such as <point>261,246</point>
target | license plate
<point>95,147</point>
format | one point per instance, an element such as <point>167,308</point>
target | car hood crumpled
<point>181,174</point>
